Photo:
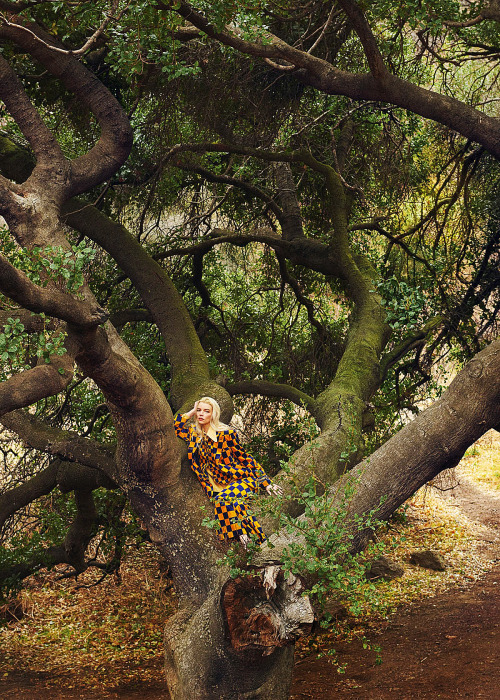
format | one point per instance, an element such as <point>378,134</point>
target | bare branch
<point>235,182</point>
<point>88,44</point>
<point>363,30</point>
<point>408,344</point>
<point>301,298</point>
<point>324,29</point>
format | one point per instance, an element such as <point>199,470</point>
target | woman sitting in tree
<point>229,475</point>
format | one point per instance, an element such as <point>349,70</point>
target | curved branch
<point>71,551</point>
<point>90,41</point>
<point>301,298</point>
<point>20,496</point>
<point>277,390</point>
<point>115,141</point>
<point>491,12</point>
<point>407,345</point>
<point>46,558</point>
<point>189,362</point>
<point>235,182</point>
<point>68,476</point>
<point>121,318</point>
<point>44,144</point>
<point>321,74</point>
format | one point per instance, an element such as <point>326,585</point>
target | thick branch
<point>68,476</point>
<point>121,318</point>
<point>20,496</point>
<point>81,530</point>
<point>28,387</point>
<point>189,363</point>
<point>61,443</point>
<point>115,142</point>
<point>49,300</point>
<point>325,77</point>
<point>435,440</point>
<point>71,551</point>
<point>45,146</point>
<point>31,322</point>
<point>291,219</point>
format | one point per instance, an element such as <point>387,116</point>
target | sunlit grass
<point>482,461</point>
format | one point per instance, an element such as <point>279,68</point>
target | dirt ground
<point>442,647</point>
<point>446,647</point>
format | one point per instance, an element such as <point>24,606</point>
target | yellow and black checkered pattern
<point>230,506</point>
<point>229,476</point>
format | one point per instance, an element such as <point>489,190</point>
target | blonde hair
<point>214,418</point>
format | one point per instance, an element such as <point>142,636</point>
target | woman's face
<point>203,414</point>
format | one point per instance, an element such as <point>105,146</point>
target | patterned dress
<point>229,476</point>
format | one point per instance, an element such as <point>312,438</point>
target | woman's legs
<point>231,510</point>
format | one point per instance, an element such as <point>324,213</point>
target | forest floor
<point>439,631</point>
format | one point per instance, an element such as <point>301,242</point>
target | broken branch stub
<point>260,618</point>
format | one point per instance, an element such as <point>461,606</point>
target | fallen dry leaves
<point>94,637</point>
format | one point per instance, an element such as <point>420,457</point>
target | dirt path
<point>444,647</point>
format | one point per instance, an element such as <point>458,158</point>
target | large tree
<point>278,168</point>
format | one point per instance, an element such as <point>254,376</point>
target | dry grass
<point>426,521</point>
<point>482,461</point>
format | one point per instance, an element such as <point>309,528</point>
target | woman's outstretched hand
<point>274,490</point>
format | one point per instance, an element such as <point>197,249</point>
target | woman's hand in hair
<point>193,410</point>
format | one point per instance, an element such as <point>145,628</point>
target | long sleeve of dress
<point>181,427</point>
<point>187,433</point>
